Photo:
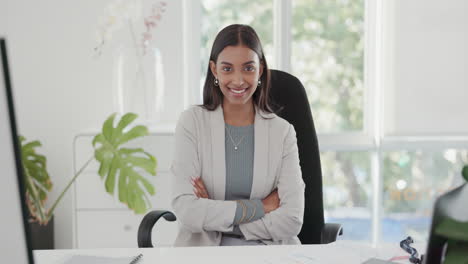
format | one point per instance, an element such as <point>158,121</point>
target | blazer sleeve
<point>195,214</point>
<point>286,221</point>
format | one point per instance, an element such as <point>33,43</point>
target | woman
<point>236,164</point>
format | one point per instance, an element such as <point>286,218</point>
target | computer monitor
<point>14,234</point>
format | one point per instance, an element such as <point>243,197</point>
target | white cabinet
<point>118,229</point>
<point>100,220</point>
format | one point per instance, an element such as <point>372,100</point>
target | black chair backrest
<point>289,93</point>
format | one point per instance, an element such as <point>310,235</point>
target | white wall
<point>61,89</point>
<point>427,88</point>
<point>3,12</point>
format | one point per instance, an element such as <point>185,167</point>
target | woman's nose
<point>238,79</point>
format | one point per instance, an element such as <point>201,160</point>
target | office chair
<point>291,103</point>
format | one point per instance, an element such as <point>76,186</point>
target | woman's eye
<point>226,68</point>
<point>249,68</point>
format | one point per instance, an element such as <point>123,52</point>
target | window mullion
<point>282,28</point>
<point>377,196</point>
<point>373,110</point>
<point>191,50</point>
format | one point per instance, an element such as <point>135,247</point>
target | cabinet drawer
<point>91,193</point>
<point>160,146</point>
<point>119,229</point>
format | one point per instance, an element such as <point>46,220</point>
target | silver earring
<point>259,82</point>
<point>216,82</point>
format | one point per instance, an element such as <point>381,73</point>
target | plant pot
<point>42,236</point>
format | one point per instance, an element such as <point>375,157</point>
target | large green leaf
<point>37,178</point>
<point>123,166</point>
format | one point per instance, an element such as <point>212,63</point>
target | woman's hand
<point>199,188</point>
<point>271,202</point>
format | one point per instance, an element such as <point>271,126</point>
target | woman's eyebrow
<point>245,63</point>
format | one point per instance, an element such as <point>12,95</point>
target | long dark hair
<point>235,35</point>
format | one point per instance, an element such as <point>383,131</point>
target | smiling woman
<point>237,179</point>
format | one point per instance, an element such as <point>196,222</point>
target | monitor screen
<point>13,228</point>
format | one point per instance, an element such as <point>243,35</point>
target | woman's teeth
<point>238,91</point>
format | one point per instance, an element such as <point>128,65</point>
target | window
<point>327,55</point>
<point>380,186</point>
<point>412,181</point>
<point>347,191</point>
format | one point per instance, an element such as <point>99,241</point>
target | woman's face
<point>238,70</point>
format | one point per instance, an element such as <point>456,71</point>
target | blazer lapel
<point>261,153</point>
<point>218,154</point>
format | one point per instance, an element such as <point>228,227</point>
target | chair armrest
<point>146,226</point>
<point>330,232</point>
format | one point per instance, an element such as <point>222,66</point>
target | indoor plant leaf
<point>37,178</point>
<point>465,172</point>
<point>124,166</point>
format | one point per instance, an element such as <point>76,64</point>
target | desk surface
<point>351,252</point>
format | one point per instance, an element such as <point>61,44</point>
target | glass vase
<point>138,81</point>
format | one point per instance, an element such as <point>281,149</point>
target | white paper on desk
<point>329,254</point>
<point>293,258</point>
<point>82,259</point>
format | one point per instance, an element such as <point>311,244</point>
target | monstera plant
<point>120,167</point>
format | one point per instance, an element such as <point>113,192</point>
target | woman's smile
<point>238,92</point>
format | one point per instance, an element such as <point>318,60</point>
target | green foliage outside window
<point>328,57</point>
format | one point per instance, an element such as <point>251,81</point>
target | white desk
<point>339,252</point>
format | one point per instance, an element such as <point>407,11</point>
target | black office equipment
<point>448,237</point>
<point>405,244</point>
<point>14,238</point>
<point>289,95</point>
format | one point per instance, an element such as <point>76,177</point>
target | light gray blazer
<point>200,151</point>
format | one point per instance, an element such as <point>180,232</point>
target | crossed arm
<point>270,203</point>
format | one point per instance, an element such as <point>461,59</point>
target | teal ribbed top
<point>239,174</point>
